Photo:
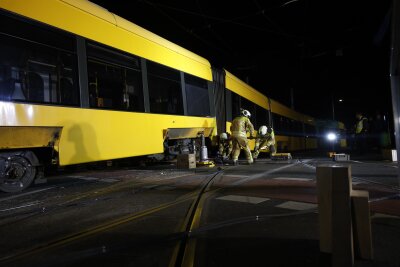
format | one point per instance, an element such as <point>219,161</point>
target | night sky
<point>321,51</point>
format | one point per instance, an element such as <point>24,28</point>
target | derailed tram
<point>79,84</point>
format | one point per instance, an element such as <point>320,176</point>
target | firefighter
<point>265,140</point>
<point>361,130</point>
<point>239,128</point>
<point>225,146</point>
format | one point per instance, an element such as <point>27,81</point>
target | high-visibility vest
<point>360,125</point>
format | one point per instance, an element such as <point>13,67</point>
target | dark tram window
<point>261,117</point>
<point>286,126</point>
<point>197,99</point>
<point>235,105</point>
<point>115,79</point>
<point>165,89</point>
<point>310,130</point>
<point>298,128</point>
<point>279,124</point>
<point>37,63</point>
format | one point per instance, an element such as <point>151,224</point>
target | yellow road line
<point>190,248</point>
<point>96,229</point>
<point>117,186</point>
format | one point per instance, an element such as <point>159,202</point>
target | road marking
<point>109,180</point>
<point>381,215</point>
<point>292,179</point>
<point>391,166</point>
<point>86,178</point>
<point>27,193</point>
<point>293,205</point>
<point>262,175</point>
<point>245,199</point>
<point>356,161</point>
<point>23,206</point>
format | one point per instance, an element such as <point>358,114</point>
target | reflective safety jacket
<point>240,125</point>
<point>270,135</point>
<point>361,125</point>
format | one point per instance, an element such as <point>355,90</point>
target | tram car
<point>79,84</point>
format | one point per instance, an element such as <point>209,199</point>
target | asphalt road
<point>265,214</point>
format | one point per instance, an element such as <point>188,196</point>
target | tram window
<point>235,105</point>
<point>310,130</point>
<point>115,79</point>
<point>299,128</point>
<point>294,127</point>
<point>277,122</point>
<point>287,125</point>
<point>281,125</point>
<point>197,99</point>
<point>37,64</point>
<point>291,126</point>
<point>261,117</point>
<point>165,89</point>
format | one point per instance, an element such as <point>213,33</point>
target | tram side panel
<point>100,110</point>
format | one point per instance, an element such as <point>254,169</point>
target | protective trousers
<point>261,143</point>
<point>239,141</point>
<point>225,149</point>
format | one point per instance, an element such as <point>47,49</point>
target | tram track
<point>191,222</point>
<point>100,228</point>
<point>186,234</point>
<point>54,203</point>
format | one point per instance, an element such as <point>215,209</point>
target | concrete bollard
<point>361,224</point>
<point>342,211</point>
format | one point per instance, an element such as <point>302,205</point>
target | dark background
<point>305,53</point>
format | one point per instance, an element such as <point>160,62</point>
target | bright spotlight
<point>331,136</point>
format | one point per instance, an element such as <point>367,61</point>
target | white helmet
<point>263,130</point>
<point>223,136</point>
<point>246,113</point>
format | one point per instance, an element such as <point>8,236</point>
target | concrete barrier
<point>344,216</point>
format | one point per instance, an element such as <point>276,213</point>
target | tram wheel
<point>18,174</point>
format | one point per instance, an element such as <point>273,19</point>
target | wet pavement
<point>265,214</point>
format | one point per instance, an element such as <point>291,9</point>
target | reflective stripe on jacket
<point>240,125</point>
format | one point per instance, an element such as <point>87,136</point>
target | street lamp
<point>333,106</point>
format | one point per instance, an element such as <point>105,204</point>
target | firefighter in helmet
<point>225,146</point>
<point>239,128</point>
<point>265,140</point>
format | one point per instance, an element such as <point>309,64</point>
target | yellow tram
<point>79,84</point>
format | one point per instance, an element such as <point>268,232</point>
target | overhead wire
<point>217,36</point>
<point>221,20</point>
<point>183,27</point>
